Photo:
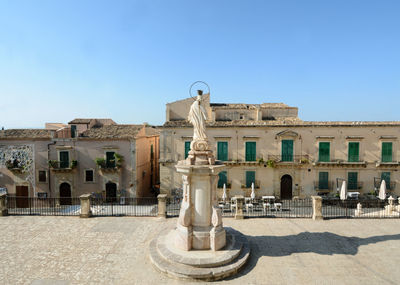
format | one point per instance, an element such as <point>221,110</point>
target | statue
<point>197,116</point>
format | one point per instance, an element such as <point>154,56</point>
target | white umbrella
<point>253,194</point>
<point>224,195</point>
<point>343,191</point>
<point>382,190</point>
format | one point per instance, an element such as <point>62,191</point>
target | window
<point>222,151</point>
<point>287,150</point>
<point>353,180</point>
<point>223,179</point>
<point>386,176</point>
<point>323,182</point>
<point>42,176</point>
<point>73,131</point>
<point>89,175</point>
<point>250,151</point>
<point>187,149</point>
<point>250,178</point>
<point>354,151</point>
<point>64,159</point>
<point>151,152</point>
<point>110,159</point>
<point>387,152</point>
<point>324,151</point>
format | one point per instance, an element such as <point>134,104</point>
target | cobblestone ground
<point>114,250</point>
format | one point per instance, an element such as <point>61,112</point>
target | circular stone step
<point>177,269</point>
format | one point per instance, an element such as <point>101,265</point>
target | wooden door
<point>65,194</point>
<point>286,187</point>
<point>111,192</point>
<point>22,200</point>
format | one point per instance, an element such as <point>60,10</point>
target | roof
<point>249,106</point>
<point>112,132</point>
<point>89,120</point>
<point>287,122</point>
<point>25,134</point>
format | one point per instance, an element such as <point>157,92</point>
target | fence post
<point>239,207</point>
<point>162,205</point>
<point>317,207</point>
<point>3,205</point>
<point>85,206</point>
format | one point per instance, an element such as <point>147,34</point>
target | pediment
<point>287,133</point>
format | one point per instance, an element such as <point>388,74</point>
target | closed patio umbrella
<point>382,190</point>
<point>343,191</point>
<point>253,194</point>
<point>224,195</point>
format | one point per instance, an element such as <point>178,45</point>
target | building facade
<point>270,146</point>
<point>86,156</point>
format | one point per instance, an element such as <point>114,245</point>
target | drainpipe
<point>48,156</point>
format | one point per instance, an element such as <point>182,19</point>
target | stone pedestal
<point>3,206</point>
<point>317,207</point>
<point>239,203</point>
<point>162,205</point>
<point>85,206</point>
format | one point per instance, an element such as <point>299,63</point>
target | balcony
<point>296,159</point>
<point>256,185</point>
<point>228,185</point>
<point>15,166</point>
<point>62,166</point>
<point>354,186</point>
<point>111,165</point>
<point>323,186</point>
<point>389,186</point>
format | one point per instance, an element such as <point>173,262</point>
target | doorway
<point>286,187</point>
<point>22,199</point>
<point>111,192</point>
<point>65,194</point>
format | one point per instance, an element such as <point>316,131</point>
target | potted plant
<point>271,163</point>
<point>100,162</point>
<point>74,163</point>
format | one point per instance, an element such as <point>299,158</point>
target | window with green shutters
<point>323,181</point>
<point>287,150</point>
<point>250,151</point>
<point>386,176</point>
<point>387,152</point>
<point>352,180</point>
<point>324,152</point>
<point>223,178</point>
<point>250,178</point>
<point>187,148</point>
<point>110,159</point>
<point>354,152</point>
<point>64,159</point>
<point>222,151</point>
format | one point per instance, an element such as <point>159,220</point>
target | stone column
<point>85,206</point>
<point>162,205</point>
<point>239,207</point>
<point>3,206</point>
<point>317,207</point>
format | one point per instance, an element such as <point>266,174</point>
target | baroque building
<point>284,156</point>
<point>85,156</point>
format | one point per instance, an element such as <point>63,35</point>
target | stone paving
<point>113,250</point>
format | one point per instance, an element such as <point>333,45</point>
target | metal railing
<point>125,207</point>
<point>297,208</point>
<point>43,206</point>
<point>376,208</point>
<point>324,185</point>
<point>303,158</point>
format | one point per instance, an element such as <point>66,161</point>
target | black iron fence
<point>43,206</point>
<point>125,207</point>
<point>358,208</point>
<point>297,208</point>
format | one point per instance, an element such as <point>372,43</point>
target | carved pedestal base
<point>217,238</point>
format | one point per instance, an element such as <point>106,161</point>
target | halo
<point>197,82</point>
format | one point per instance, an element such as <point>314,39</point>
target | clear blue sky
<point>335,60</point>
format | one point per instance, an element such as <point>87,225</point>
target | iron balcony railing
<point>389,186</point>
<point>354,185</point>
<point>322,185</point>
<point>256,184</point>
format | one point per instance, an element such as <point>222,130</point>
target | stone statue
<point>197,116</point>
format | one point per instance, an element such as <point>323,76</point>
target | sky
<point>337,60</point>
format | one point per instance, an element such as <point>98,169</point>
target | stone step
<point>185,271</point>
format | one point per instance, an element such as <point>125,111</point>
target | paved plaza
<point>113,250</point>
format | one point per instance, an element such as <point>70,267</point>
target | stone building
<point>85,156</point>
<point>270,146</point>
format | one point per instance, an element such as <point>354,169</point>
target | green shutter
<point>324,151</point>
<point>187,148</point>
<point>250,151</point>
<point>64,159</point>
<point>386,152</point>
<point>287,150</point>
<point>250,178</point>
<point>386,176</point>
<point>354,151</point>
<point>110,159</point>
<point>323,181</point>
<point>73,131</point>
<point>352,180</point>
<point>223,178</point>
<point>222,151</point>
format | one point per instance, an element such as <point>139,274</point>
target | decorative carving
<point>216,218</point>
<point>184,215</point>
<point>24,155</point>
